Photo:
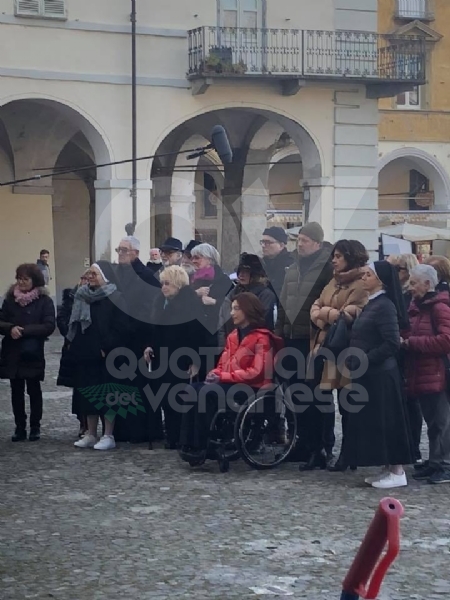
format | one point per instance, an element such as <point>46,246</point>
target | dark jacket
<point>303,284</point>
<point>428,344</point>
<point>275,269</point>
<point>219,288</point>
<point>154,267</point>
<point>376,331</point>
<point>265,295</point>
<point>45,270</point>
<point>178,324</point>
<point>24,358</point>
<point>109,330</point>
<point>65,311</point>
<point>140,288</point>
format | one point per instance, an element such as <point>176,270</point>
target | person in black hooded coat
<point>178,319</point>
<point>378,432</point>
<point>98,325</point>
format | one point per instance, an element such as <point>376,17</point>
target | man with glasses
<point>276,258</point>
<point>171,252</point>
<point>140,289</point>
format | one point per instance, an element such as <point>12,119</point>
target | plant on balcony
<point>220,61</point>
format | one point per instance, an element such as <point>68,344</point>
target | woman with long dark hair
<point>377,430</point>
<point>246,360</point>
<point>27,318</point>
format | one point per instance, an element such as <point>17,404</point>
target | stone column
<point>182,209</point>
<point>113,210</point>
<point>355,169</point>
<point>254,205</point>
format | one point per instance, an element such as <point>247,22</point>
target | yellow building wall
<point>433,122</point>
<point>28,219</point>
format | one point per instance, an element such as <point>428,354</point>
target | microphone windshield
<point>221,144</point>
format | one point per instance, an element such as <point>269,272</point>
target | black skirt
<point>378,432</point>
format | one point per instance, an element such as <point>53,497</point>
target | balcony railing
<point>414,9</point>
<point>225,51</point>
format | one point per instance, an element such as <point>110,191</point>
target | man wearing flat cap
<point>303,284</point>
<point>276,258</point>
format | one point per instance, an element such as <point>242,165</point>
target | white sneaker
<point>106,443</point>
<point>88,441</point>
<point>381,475</point>
<point>390,480</point>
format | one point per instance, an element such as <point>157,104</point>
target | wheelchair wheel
<point>266,430</point>
<point>222,440</point>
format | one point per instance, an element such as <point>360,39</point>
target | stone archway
<point>40,135</point>
<point>253,134</point>
<point>394,168</point>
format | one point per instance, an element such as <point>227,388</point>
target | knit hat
<point>314,231</point>
<point>278,233</point>
<point>252,263</point>
<point>107,271</point>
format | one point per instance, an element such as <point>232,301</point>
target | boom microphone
<point>221,144</point>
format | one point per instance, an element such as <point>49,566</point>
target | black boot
<point>35,434</point>
<point>341,465</point>
<point>318,460</point>
<point>20,435</point>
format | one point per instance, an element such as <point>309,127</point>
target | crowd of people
<point>194,332</point>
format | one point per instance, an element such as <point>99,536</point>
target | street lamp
<point>134,111</point>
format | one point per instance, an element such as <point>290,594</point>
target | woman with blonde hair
<point>177,319</point>
<point>442,266</point>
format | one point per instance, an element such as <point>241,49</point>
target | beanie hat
<point>278,233</point>
<point>252,263</point>
<point>314,231</point>
<point>192,244</point>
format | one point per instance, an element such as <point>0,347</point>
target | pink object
<point>207,273</point>
<point>25,298</point>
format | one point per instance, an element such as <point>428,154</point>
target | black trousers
<point>322,420</point>
<point>415,424</point>
<point>436,412</point>
<point>18,402</point>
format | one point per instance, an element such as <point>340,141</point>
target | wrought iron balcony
<point>306,54</point>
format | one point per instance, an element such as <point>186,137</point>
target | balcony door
<point>240,25</point>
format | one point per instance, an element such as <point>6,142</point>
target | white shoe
<point>106,443</point>
<point>88,441</point>
<point>390,480</point>
<point>381,475</point>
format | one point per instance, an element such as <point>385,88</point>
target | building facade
<point>414,139</point>
<point>295,84</point>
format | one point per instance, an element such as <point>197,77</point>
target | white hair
<point>426,273</point>
<point>207,251</point>
<point>133,241</point>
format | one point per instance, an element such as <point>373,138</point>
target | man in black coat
<point>276,258</point>
<point>140,288</point>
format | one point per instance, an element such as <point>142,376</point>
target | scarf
<point>207,273</point>
<point>25,298</point>
<point>81,311</point>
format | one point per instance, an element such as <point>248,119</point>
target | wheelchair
<point>262,431</point>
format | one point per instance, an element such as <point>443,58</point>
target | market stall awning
<point>416,233</point>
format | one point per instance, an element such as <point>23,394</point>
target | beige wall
<point>285,179</point>
<point>25,229</point>
<point>71,225</point>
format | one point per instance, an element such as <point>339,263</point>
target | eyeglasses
<point>267,243</point>
<point>122,250</point>
<point>164,283</point>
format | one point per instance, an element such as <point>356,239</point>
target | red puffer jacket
<point>429,342</point>
<point>250,362</point>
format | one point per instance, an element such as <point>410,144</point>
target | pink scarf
<point>207,273</point>
<point>25,298</point>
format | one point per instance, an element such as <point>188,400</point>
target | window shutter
<point>27,7</point>
<point>54,8</point>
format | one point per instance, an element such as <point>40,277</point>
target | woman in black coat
<point>63,315</point>
<point>377,423</point>
<point>27,318</point>
<point>178,325</point>
<point>98,325</point>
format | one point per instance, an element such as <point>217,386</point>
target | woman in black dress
<point>97,326</point>
<point>377,423</point>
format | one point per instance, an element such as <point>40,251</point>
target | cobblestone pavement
<point>140,525</point>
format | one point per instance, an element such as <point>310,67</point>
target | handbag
<point>30,349</point>
<point>338,336</point>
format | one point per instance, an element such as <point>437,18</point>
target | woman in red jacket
<point>427,345</point>
<point>245,366</point>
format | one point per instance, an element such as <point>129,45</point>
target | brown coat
<point>345,294</point>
